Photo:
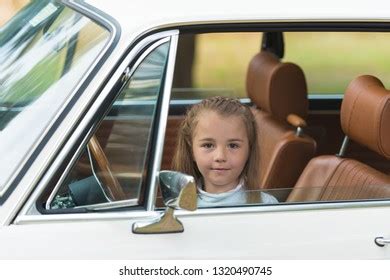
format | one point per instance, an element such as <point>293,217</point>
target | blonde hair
<point>183,160</point>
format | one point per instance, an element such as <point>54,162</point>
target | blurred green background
<point>330,60</point>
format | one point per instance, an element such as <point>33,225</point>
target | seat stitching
<point>348,179</point>
<point>354,182</point>
<point>358,188</point>
<point>340,176</point>
<point>326,185</point>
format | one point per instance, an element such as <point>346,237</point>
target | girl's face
<point>220,148</point>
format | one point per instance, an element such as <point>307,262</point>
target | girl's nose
<point>220,155</point>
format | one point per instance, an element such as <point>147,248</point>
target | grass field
<point>330,60</point>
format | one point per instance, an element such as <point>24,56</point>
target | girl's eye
<point>233,146</point>
<point>207,145</point>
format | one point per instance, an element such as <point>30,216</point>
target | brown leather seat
<point>278,90</point>
<point>365,118</point>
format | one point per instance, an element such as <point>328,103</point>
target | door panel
<point>312,234</point>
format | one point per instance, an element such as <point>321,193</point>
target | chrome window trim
<point>91,13</point>
<point>195,101</point>
<point>173,101</point>
<point>29,209</point>
<point>312,206</point>
<point>136,215</point>
<point>103,216</point>
<point>162,123</point>
<point>112,204</point>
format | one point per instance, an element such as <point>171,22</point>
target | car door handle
<point>381,241</point>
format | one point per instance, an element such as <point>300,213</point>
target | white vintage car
<point>92,94</point>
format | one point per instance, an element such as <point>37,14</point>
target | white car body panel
<point>308,234</point>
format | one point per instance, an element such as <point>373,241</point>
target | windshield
<point>44,51</point>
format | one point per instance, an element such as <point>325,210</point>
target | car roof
<point>146,14</point>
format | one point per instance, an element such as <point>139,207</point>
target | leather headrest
<point>365,114</point>
<point>276,87</point>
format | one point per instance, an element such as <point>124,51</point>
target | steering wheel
<point>110,182</point>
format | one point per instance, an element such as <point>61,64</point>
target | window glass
<point>330,60</point>
<point>44,52</point>
<point>216,64</point>
<point>112,166</point>
<point>213,64</point>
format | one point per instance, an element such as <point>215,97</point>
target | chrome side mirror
<point>179,192</point>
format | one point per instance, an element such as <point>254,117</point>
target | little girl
<point>217,145</point>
